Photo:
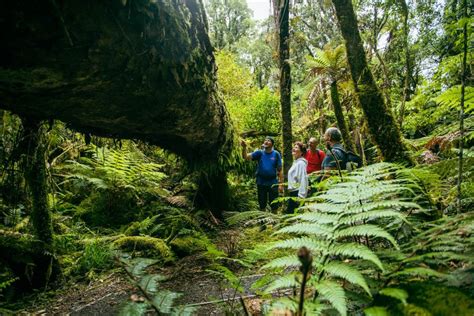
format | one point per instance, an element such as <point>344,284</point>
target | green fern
<point>343,227</point>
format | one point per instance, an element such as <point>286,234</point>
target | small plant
<point>97,255</point>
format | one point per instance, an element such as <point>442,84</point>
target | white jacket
<point>297,177</point>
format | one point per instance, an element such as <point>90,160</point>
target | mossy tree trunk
<point>383,129</point>
<point>341,121</point>
<point>283,28</point>
<point>35,177</point>
<point>408,69</point>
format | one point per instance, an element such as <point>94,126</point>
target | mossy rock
<point>149,246</point>
<point>185,246</point>
<point>439,300</point>
<point>108,208</point>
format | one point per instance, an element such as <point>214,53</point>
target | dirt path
<point>106,296</point>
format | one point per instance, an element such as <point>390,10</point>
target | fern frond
<point>353,250</point>
<point>419,272</point>
<point>282,262</point>
<point>334,294</point>
<point>314,245</point>
<point>396,293</point>
<point>164,300</point>
<point>317,217</point>
<point>346,272</point>
<point>372,215</point>
<point>284,282</point>
<point>366,230</point>
<point>308,229</point>
<point>376,311</point>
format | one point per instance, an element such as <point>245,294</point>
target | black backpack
<point>351,160</point>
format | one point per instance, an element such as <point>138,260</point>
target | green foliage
<point>97,256</point>
<point>161,300</point>
<point>188,245</point>
<point>229,21</point>
<point>149,246</point>
<point>346,223</point>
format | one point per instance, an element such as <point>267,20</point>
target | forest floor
<point>106,296</point>
<point>108,293</point>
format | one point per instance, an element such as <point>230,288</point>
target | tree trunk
<point>341,122</point>
<point>382,127</point>
<point>461,110</point>
<point>285,82</point>
<point>406,85</point>
<point>45,266</point>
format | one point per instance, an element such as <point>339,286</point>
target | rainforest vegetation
<point>123,190</point>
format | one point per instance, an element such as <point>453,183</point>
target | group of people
<point>306,160</point>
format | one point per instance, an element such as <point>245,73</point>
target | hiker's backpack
<point>351,160</point>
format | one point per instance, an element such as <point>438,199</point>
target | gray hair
<point>334,134</point>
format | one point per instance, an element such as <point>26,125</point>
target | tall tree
<point>283,19</point>
<point>406,82</point>
<point>229,21</point>
<point>461,110</point>
<point>382,126</point>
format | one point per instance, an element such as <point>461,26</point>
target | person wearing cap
<point>269,172</point>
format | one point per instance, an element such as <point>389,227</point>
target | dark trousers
<point>266,194</point>
<point>292,204</point>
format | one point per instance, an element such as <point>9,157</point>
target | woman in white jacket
<point>297,177</point>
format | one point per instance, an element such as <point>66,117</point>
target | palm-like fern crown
<point>342,227</point>
<point>328,62</point>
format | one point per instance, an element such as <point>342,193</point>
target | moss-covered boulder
<point>187,245</point>
<point>146,246</point>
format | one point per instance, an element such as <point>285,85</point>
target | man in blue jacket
<point>269,166</point>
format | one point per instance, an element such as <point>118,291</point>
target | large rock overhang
<point>138,69</point>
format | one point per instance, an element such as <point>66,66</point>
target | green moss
<point>184,246</point>
<point>149,246</point>
<point>440,300</point>
<point>133,229</point>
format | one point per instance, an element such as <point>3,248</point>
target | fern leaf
<point>317,217</point>
<point>376,311</point>
<point>334,294</point>
<point>396,293</point>
<point>346,272</point>
<point>366,230</point>
<point>308,229</point>
<point>420,272</point>
<point>284,282</point>
<point>164,300</point>
<point>283,306</point>
<point>296,243</point>
<point>133,309</point>
<point>371,215</point>
<point>149,282</point>
<point>282,262</point>
<point>354,250</point>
